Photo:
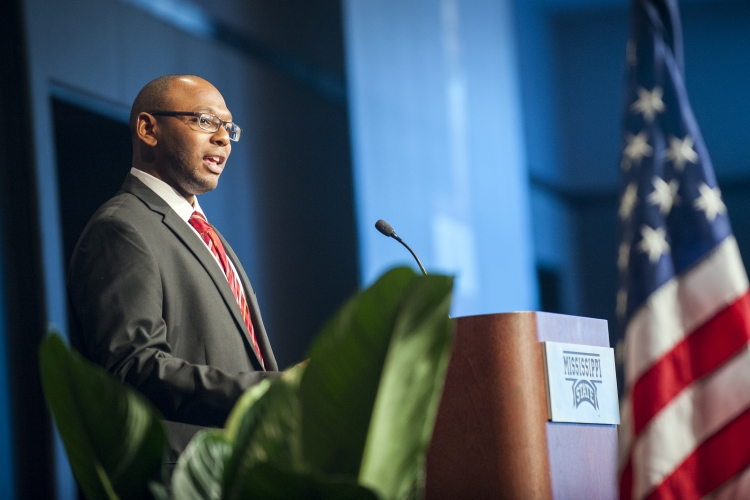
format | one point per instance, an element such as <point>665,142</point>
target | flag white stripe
<point>681,305</point>
<point>737,488</point>
<point>695,414</point>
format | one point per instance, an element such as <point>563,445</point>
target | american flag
<point>683,299</point>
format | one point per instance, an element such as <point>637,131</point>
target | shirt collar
<point>175,200</point>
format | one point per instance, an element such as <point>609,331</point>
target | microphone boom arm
<point>395,237</point>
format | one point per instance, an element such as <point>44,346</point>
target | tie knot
<point>199,222</point>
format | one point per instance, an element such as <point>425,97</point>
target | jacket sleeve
<point>115,294</point>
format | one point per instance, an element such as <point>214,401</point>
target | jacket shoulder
<point>122,206</point>
<point>122,215</point>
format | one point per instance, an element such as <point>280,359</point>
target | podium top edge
<point>538,313</point>
<point>555,327</point>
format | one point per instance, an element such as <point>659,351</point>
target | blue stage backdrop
<point>438,145</point>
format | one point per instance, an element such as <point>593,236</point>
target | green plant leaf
<point>341,382</point>
<point>200,470</point>
<point>267,431</point>
<point>410,390</point>
<point>112,435</point>
<point>370,393</point>
<point>272,482</point>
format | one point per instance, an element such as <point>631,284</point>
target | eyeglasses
<point>206,121</point>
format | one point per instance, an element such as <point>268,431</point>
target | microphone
<point>387,230</point>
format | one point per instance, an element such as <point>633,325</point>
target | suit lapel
<point>198,249</point>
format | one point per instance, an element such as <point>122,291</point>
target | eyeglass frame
<point>197,114</point>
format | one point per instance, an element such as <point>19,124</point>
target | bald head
<point>156,95</point>
<point>172,145</point>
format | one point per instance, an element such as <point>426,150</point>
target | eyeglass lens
<point>211,123</point>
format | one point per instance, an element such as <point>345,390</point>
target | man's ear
<point>145,129</point>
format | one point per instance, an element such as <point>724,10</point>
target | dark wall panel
<point>589,49</point>
<point>93,157</point>
<point>308,246</point>
<point>597,226</point>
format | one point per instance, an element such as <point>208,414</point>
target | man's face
<point>189,158</point>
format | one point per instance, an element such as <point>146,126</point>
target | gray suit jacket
<point>149,303</point>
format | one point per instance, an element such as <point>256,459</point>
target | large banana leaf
<point>343,377</point>
<point>112,435</point>
<point>410,389</point>
<point>370,393</point>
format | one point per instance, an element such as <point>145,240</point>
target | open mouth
<point>214,162</point>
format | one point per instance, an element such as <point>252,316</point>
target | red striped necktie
<point>212,241</point>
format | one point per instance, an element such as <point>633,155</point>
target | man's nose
<point>220,137</point>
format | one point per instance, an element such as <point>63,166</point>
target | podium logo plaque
<point>581,383</point>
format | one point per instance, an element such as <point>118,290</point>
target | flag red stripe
<point>698,354</point>
<point>716,460</point>
<point>626,481</point>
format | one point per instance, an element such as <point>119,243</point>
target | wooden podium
<point>492,437</point>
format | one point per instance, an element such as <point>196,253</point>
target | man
<point>157,296</point>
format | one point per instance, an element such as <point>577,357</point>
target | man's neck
<point>152,172</point>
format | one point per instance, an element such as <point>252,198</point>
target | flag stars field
<point>649,103</point>
<point>710,202</point>
<point>636,149</point>
<point>654,243</point>
<point>664,194</point>
<point>681,152</point>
